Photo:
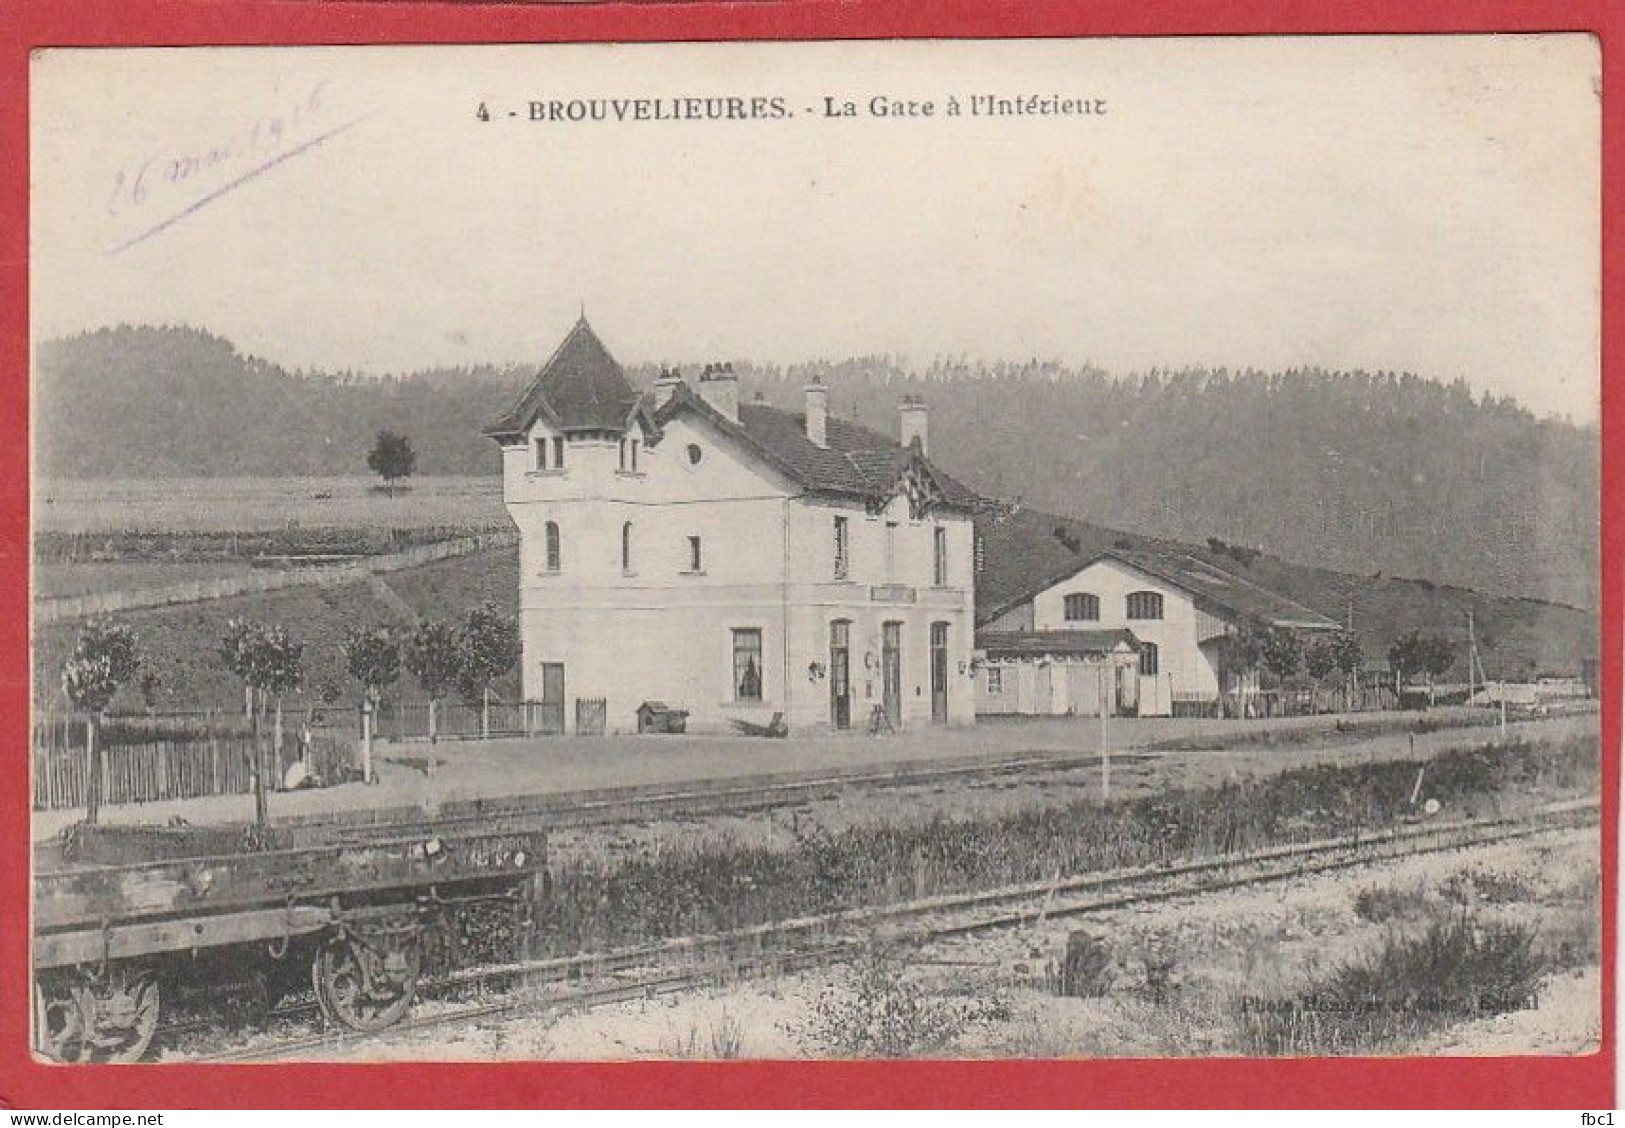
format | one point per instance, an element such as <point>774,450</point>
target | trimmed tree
<point>488,646</point>
<point>270,663</point>
<point>1241,651</point>
<point>372,655</point>
<point>392,458</point>
<point>1416,653</point>
<point>434,657</point>
<point>1282,653</point>
<point>105,657</point>
<point>1334,656</point>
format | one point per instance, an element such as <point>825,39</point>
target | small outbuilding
<point>1057,673</point>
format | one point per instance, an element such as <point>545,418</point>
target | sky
<point>1428,204</point>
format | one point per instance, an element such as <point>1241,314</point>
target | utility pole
<point>1105,738</point>
<point>1472,655</point>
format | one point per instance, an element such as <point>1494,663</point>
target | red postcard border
<point>1228,1083</point>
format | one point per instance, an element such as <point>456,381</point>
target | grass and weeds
<point>657,891</point>
<point>878,1009</point>
<point>1457,969</point>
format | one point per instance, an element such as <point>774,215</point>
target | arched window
<point>1148,659</point>
<point>1081,607</point>
<point>552,546</point>
<point>1144,605</point>
<point>626,547</point>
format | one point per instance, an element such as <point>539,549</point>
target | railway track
<point>600,979</point>
<point>734,795</point>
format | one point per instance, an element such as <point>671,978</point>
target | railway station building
<point>748,565</point>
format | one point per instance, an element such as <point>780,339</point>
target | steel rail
<point>812,941</point>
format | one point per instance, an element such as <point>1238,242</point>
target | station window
<point>1148,659</point>
<point>553,547</point>
<point>1082,607</point>
<point>1144,605</point>
<point>748,664</point>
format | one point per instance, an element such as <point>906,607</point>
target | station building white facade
<point>733,560</point>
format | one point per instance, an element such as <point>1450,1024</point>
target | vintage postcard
<point>909,549</point>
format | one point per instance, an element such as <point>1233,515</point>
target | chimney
<point>915,423</point>
<point>666,385</point>
<point>818,413</point>
<point>719,387</point>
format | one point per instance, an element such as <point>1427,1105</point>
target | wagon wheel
<point>113,1019</point>
<point>366,986</point>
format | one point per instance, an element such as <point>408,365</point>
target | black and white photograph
<point>906,549</point>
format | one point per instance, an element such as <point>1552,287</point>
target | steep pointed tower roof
<point>580,388</point>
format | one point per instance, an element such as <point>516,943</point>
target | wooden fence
<point>150,772</point>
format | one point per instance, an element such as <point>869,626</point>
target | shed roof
<point>1032,644</point>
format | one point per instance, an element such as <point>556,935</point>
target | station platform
<point>432,776</point>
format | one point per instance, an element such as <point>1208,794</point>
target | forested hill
<point>1364,472</point>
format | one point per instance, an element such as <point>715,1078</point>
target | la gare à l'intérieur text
<point>772,108</point>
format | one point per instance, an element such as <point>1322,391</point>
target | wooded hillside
<point>1372,473</point>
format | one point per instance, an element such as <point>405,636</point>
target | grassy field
<point>181,644</point>
<point>66,579</point>
<point>245,504</point>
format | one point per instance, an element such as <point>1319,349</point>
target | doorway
<point>891,672</point>
<point>552,719</point>
<point>840,674</point>
<point>939,673</point>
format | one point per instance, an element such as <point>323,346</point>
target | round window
<point>695,454</point>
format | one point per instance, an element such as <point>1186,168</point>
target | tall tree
<point>392,458</point>
<point>105,657</point>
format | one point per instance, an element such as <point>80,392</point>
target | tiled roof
<point>1033,644</point>
<point>856,462</point>
<point>1225,590</point>
<point>580,388</point>
<point>1023,558</point>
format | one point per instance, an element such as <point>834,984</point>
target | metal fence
<point>1286,702</point>
<point>405,720</point>
<point>453,720</point>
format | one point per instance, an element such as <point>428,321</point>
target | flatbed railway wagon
<point>131,921</point>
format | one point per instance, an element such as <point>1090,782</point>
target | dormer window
<point>541,454</point>
<point>558,452</point>
<point>629,456</point>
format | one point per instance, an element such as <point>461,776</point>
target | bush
<point>1378,904</point>
<point>652,894</point>
<point>1458,969</point>
<point>878,1011</point>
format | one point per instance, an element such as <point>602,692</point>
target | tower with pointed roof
<point>728,558</point>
